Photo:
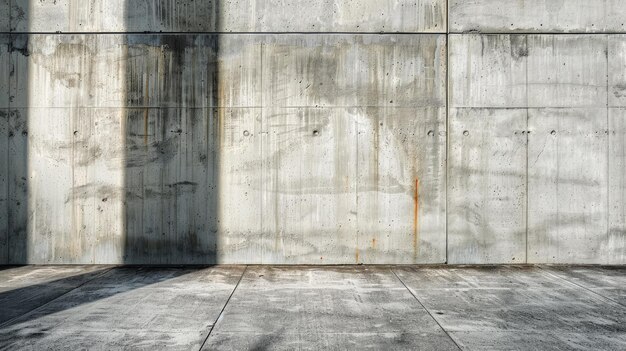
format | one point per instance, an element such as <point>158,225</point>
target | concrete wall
<point>285,131</point>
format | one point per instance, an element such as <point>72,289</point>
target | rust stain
<point>416,207</point>
<point>357,255</point>
<point>374,243</point>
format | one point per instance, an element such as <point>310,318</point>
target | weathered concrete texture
<point>4,186</point>
<point>336,170</point>
<point>541,16</point>
<point>617,69</point>
<point>608,282</point>
<point>23,289</point>
<point>235,148</point>
<point>487,186</point>
<point>336,308</point>
<point>5,41</point>
<point>521,308</point>
<point>616,242</point>
<point>519,71</point>
<point>5,65</point>
<point>5,16</point>
<point>165,308</point>
<point>296,142</point>
<point>567,187</point>
<point>171,181</point>
<point>567,71</point>
<point>487,71</point>
<point>228,16</point>
<point>557,86</point>
<point>17,187</point>
<point>334,185</point>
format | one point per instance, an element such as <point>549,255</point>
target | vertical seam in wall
<point>263,163</point>
<point>8,175</point>
<point>527,151</point>
<point>447,134</point>
<point>608,152</point>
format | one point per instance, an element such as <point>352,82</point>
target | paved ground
<point>356,307</point>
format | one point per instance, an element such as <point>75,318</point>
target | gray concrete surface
<point>330,307</point>
<point>299,132</point>
<point>537,16</point>
<point>228,16</point>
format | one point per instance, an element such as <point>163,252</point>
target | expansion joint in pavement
<point>219,316</point>
<point>425,309</point>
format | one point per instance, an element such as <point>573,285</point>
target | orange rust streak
<point>416,208</point>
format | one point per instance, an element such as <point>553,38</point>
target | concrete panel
<point>170,179</point>
<point>5,15</point>
<point>567,70</point>
<point>5,62</point>
<point>354,70</point>
<point>241,185</point>
<point>487,186</point>
<point>617,70</point>
<point>71,71</point>
<point>305,193</point>
<point>567,186</point>
<point>305,185</point>
<point>229,16</point>
<point>334,186</point>
<point>194,70</point>
<point>299,204</point>
<point>488,71</point>
<point>615,247</point>
<point>540,16</point>
<point>68,195</point>
<point>4,186</point>
<point>401,185</point>
<point>85,70</point>
<point>5,69</point>
<point>18,209</point>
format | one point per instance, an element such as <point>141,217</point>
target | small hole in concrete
<point>246,133</point>
<point>553,132</point>
<point>431,133</point>
<point>316,132</point>
<point>466,133</point>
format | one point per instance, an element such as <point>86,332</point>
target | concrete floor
<point>347,307</point>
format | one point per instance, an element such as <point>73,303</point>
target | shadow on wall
<point>113,141</point>
<point>17,174</point>
<point>172,144</point>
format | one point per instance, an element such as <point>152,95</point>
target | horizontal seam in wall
<point>536,33</point>
<point>240,33</point>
